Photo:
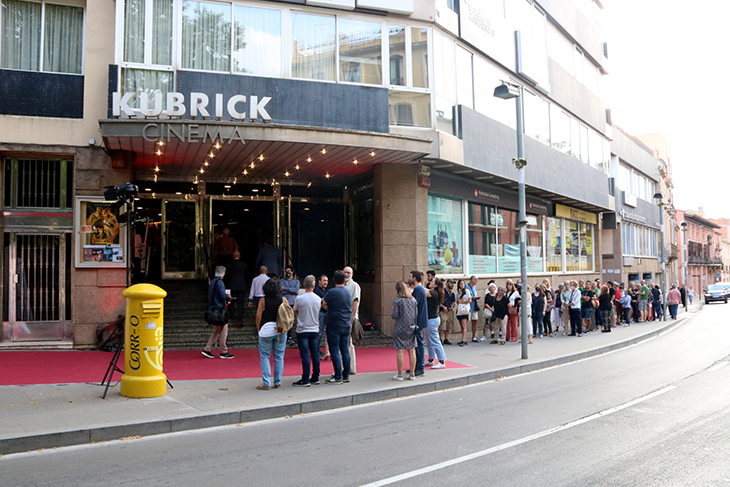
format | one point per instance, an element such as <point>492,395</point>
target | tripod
<point>126,198</point>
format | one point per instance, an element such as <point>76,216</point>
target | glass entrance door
<point>181,240</point>
<point>36,286</point>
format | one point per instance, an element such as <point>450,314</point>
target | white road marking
<point>717,366</point>
<point>504,446</point>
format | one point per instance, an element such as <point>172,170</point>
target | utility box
<point>143,336</point>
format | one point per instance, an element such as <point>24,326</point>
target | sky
<point>668,71</point>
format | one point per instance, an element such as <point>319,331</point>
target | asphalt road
<point>654,414</point>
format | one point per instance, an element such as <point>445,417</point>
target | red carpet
<point>73,367</point>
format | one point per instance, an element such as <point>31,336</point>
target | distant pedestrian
<point>404,313</point>
<point>270,340</point>
<point>419,292</point>
<point>224,246</point>
<point>513,312</point>
<point>338,303</point>
<point>269,257</point>
<point>683,295</point>
<point>321,290</point>
<point>463,298</point>
<point>538,311</point>
<point>673,299</point>
<point>604,306</point>
<point>447,312</point>
<point>217,302</point>
<point>656,303</point>
<point>436,354</point>
<point>257,287</point>
<point>306,308</point>
<point>574,303</point>
<point>355,326</point>
<point>490,298</point>
<point>501,306</point>
<point>237,277</point>
<point>290,285</point>
<point>691,294</point>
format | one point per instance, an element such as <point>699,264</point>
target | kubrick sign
<point>238,107</point>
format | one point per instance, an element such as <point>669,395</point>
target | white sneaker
<point>482,339</point>
<point>398,378</point>
<point>429,363</point>
<point>411,377</point>
<point>438,366</point>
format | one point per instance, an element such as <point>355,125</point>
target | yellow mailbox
<point>143,331</point>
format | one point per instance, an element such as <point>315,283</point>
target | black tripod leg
<point>169,383</point>
<point>110,371</point>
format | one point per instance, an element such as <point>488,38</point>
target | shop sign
<point>192,132</point>
<point>632,217</point>
<point>197,105</point>
<point>575,214</point>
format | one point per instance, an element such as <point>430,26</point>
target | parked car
<point>726,285</point>
<point>715,292</point>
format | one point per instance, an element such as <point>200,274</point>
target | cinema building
<point>361,132</point>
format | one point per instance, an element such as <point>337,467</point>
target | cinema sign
<point>238,107</point>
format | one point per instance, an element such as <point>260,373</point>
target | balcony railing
<point>699,260</point>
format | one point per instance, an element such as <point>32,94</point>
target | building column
<point>401,234</point>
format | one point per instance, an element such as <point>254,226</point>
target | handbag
<point>487,313</point>
<point>284,317</point>
<point>462,309</point>
<point>216,316</point>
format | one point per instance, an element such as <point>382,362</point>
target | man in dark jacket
<point>237,280</point>
<point>419,292</point>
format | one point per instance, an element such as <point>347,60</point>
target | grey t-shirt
<point>307,307</point>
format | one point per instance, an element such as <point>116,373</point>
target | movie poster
<point>100,240</point>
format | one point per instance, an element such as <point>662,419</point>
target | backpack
<point>284,317</point>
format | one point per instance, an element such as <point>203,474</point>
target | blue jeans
<point>309,343</point>
<point>322,321</point>
<point>435,349</point>
<point>266,345</point>
<point>337,338</point>
<point>673,311</point>
<point>657,310</point>
<point>537,322</point>
<point>420,353</point>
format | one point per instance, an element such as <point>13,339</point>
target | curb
<point>115,432</point>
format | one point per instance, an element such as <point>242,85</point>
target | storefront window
<point>206,36</point>
<point>482,239</point>
<point>554,245</point>
<point>579,249</point>
<point>360,46</point>
<point>535,259</point>
<point>508,248</point>
<point>313,46</point>
<point>258,43</point>
<point>445,250</point>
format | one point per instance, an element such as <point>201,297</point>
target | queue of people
<point>425,315</point>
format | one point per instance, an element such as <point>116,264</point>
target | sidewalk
<point>46,416</point>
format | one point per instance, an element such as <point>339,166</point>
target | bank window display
<point>258,43</point>
<point>38,36</point>
<point>100,239</point>
<point>554,245</point>
<point>445,250</point>
<point>482,239</point>
<point>360,51</point>
<point>578,246</point>
<point>206,36</point>
<point>313,46</point>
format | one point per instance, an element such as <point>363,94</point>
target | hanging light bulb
<point>296,167</point>
<point>286,174</point>
<point>324,151</point>
<point>309,159</point>
<point>157,169</point>
<point>355,162</point>
<point>372,154</point>
<point>245,173</point>
<point>159,152</point>
<point>309,185</point>
<point>205,163</point>
<point>217,145</point>
<point>201,170</point>
<point>327,175</point>
<point>261,157</point>
<point>252,165</point>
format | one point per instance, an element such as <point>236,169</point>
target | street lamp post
<point>684,257</point>
<point>507,91</point>
<point>660,197</point>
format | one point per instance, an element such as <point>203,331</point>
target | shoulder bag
<point>284,317</point>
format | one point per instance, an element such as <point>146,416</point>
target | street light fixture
<point>659,197</point>
<point>507,91</point>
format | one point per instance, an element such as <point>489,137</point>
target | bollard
<point>143,329</point>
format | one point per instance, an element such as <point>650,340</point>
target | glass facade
<point>554,244</point>
<point>313,46</point>
<point>360,47</point>
<point>639,241</point>
<point>445,249</point>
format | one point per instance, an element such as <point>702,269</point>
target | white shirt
<point>354,289</point>
<point>257,286</point>
<point>574,297</point>
<point>513,297</point>
<point>307,306</point>
<point>268,329</point>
